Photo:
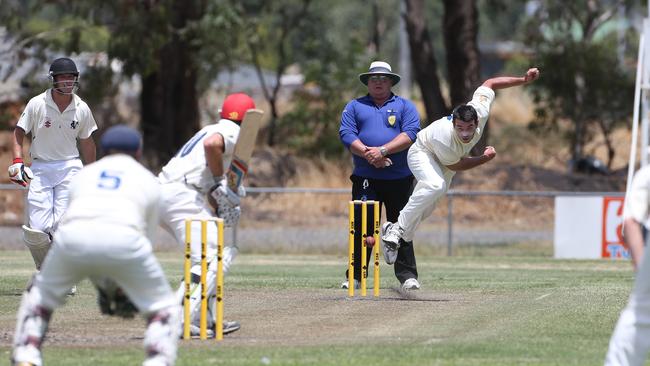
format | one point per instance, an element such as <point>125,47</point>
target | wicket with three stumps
<point>204,271</point>
<point>364,235</point>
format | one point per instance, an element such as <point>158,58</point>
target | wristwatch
<point>383,150</point>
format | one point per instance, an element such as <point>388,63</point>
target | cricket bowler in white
<point>56,119</point>
<point>106,235</point>
<point>440,150</point>
<point>192,178</point>
<point>630,341</point>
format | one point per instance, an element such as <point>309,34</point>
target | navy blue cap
<point>121,138</point>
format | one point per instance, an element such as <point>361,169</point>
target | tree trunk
<point>578,141</point>
<point>290,21</point>
<point>424,62</point>
<point>460,30</point>
<point>169,99</point>
<point>375,43</point>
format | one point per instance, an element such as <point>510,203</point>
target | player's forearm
<point>88,150</point>
<point>399,143</point>
<point>358,148</point>
<point>503,82</point>
<point>469,162</point>
<point>633,235</point>
<point>19,136</point>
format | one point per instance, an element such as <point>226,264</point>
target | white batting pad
<point>38,244</point>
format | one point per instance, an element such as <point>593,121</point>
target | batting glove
<point>224,195</point>
<point>19,173</point>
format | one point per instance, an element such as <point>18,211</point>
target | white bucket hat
<point>379,68</point>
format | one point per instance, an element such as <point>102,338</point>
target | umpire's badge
<point>74,124</point>
<point>391,120</point>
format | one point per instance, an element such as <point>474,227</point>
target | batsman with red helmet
<point>193,178</point>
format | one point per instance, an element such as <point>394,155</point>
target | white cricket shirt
<point>638,197</point>
<point>189,165</point>
<point>115,190</point>
<point>54,133</point>
<point>440,139</point>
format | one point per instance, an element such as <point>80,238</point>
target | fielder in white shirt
<point>630,341</point>
<point>56,120</point>
<point>193,177</point>
<point>440,150</point>
<point>106,236</point>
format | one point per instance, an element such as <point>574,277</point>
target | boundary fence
<point>451,194</point>
<point>450,199</point>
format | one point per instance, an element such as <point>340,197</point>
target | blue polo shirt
<point>375,126</point>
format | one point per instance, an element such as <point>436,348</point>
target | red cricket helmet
<point>235,106</point>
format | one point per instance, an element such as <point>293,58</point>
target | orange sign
<point>613,246</point>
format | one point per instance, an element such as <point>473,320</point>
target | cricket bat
<point>249,128</point>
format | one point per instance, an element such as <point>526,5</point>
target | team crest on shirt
<point>483,99</point>
<point>74,124</point>
<point>47,123</point>
<point>392,119</point>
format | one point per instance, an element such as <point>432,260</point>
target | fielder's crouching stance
<point>190,179</point>
<point>105,236</point>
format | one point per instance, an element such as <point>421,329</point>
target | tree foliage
<point>177,48</point>
<point>583,80</point>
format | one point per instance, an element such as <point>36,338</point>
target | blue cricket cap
<point>121,138</point>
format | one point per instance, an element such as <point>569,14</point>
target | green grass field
<point>471,311</point>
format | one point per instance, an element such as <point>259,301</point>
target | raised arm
<point>502,82</point>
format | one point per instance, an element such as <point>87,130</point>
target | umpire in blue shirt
<point>378,129</point>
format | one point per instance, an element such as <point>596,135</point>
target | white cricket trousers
<point>432,184</point>
<point>630,341</point>
<point>95,250</point>
<point>180,202</point>
<point>48,192</point>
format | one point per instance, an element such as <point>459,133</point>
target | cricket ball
<point>370,241</point>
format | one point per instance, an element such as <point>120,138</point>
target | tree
<point>424,61</point>
<point>176,38</point>
<point>166,42</point>
<point>274,27</point>
<point>582,82</point>
<point>169,98</point>
<point>460,29</point>
<point>460,32</point>
<point>330,66</point>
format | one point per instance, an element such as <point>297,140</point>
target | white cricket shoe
<point>346,284</point>
<point>390,237</point>
<point>411,284</point>
<point>228,327</point>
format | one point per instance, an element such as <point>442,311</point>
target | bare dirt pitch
<point>270,316</point>
<point>317,317</point>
